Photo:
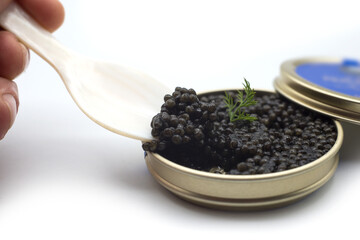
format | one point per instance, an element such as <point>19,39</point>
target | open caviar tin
<point>245,192</point>
<point>330,86</point>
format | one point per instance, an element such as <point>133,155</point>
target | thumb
<point>8,105</point>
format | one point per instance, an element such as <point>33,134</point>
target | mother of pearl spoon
<point>119,99</point>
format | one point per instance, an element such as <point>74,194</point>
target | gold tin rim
<point>317,98</point>
<point>245,192</point>
<point>243,204</point>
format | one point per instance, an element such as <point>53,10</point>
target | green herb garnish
<point>234,107</point>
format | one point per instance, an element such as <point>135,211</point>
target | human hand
<point>14,56</point>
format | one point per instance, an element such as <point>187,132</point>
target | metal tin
<point>318,98</point>
<point>245,192</point>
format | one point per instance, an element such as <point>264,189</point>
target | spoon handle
<point>33,35</point>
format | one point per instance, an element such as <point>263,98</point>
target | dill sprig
<point>234,107</point>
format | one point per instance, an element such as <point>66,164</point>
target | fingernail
<point>26,55</point>
<point>11,103</point>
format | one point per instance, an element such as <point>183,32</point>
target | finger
<point>3,4</point>
<point>9,103</point>
<point>13,56</point>
<point>49,13</point>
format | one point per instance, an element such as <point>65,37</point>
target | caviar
<point>195,131</point>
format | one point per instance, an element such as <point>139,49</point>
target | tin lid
<point>327,85</point>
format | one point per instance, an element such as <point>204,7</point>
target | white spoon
<point>120,99</point>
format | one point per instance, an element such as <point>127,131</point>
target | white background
<point>64,177</point>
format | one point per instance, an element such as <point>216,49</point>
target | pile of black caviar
<point>196,132</point>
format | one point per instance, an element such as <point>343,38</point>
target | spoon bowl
<point>118,98</point>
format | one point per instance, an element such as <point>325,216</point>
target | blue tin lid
<point>342,77</point>
<point>327,85</point>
